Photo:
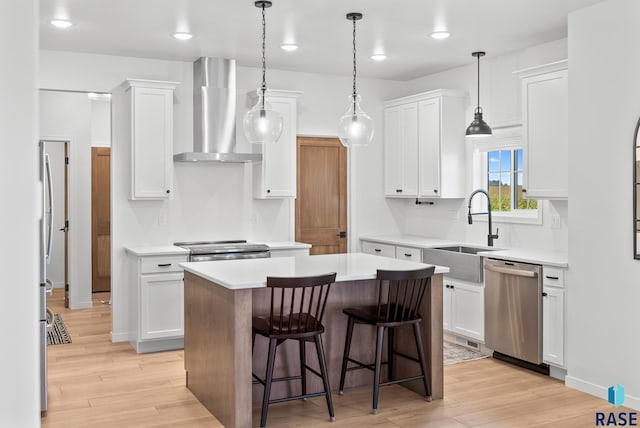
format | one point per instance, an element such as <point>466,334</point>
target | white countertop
<point>157,250</point>
<point>543,257</point>
<point>284,245</point>
<point>252,273</point>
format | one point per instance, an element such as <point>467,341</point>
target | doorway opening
<point>321,201</point>
<point>58,270</point>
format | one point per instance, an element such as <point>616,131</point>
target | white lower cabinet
<point>463,308</point>
<point>156,299</point>
<point>553,310</point>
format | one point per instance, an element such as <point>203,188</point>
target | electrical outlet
<point>555,221</point>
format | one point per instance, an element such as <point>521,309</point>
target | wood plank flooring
<point>96,383</point>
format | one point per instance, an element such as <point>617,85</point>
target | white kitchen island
<point>221,297</point>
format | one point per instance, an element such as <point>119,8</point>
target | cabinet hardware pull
<point>164,264</point>
<point>268,190</point>
<point>524,190</point>
<point>551,277</point>
<point>377,250</point>
<point>407,255</point>
<point>544,294</point>
<point>168,191</point>
<point>398,190</point>
<point>435,190</point>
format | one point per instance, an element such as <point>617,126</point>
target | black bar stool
<point>400,294</point>
<point>297,308</point>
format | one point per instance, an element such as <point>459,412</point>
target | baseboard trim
<point>158,345</point>
<point>599,391</point>
<point>80,305</point>
<point>119,337</point>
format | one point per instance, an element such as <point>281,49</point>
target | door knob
<point>342,235</point>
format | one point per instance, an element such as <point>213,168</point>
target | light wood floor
<point>95,383</point>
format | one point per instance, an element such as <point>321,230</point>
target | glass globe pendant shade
<point>478,128</point>
<point>355,127</point>
<point>262,124</point>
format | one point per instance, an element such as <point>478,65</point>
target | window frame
<point>502,139</point>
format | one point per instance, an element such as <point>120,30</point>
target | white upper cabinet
<point>143,119</point>
<point>545,130</point>
<point>401,150</point>
<point>275,176</point>
<point>424,145</point>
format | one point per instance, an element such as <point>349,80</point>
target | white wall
<point>19,248</point>
<point>68,115</point>
<point>500,99</point>
<point>603,278</point>
<point>213,201</point>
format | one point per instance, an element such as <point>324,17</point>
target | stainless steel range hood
<point>214,114</point>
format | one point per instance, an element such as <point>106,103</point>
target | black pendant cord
<point>354,58</point>
<point>264,61</point>
<point>478,107</point>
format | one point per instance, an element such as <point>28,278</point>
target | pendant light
<point>262,124</point>
<point>478,127</point>
<point>355,127</point>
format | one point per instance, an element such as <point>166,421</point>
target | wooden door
<point>321,203</point>
<point>100,219</point>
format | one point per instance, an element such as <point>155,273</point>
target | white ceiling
<point>231,29</point>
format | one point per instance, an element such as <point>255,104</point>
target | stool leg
<point>423,364</point>
<point>325,376</point>
<point>269,376</point>
<point>390,343</point>
<point>345,357</point>
<point>303,370</point>
<point>376,376</point>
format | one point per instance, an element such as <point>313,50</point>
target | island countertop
<point>252,273</point>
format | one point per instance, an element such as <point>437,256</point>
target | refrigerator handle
<point>49,287</point>
<point>50,219</point>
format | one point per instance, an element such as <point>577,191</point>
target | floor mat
<point>454,353</point>
<point>58,334</point>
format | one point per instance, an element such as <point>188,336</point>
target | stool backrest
<point>401,299</point>
<point>298,303</point>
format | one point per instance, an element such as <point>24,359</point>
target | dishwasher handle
<point>510,271</point>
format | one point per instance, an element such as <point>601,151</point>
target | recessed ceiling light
<point>183,36</point>
<point>289,46</point>
<point>61,23</point>
<point>378,57</point>
<point>440,35</point>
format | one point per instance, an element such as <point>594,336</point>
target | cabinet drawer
<point>377,249</point>
<point>159,264</point>
<point>409,253</point>
<point>552,276</point>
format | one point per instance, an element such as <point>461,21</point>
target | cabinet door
<point>161,306</point>
<point>467,316</point>
<point>545,117</point>
<point>429,147</point>
<point>152,143</point>
<point>401,151</point>
<point>277,172</point>
<point>553,326</point>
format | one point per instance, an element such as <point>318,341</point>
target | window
<point>504,182</point>
<point>499,169</point>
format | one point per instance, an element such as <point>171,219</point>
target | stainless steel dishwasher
<point>513,309</point>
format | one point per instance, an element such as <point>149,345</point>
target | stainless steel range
<point>224,250</point>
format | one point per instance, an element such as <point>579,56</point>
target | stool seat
<point>381,315</point>
<point>287,327</point>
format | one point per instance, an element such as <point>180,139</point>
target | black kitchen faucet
<point>490,236</point>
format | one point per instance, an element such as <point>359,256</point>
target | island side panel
<point>217,349</point>
<point>432,338</point>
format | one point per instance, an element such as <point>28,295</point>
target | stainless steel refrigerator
<point>46,286</point>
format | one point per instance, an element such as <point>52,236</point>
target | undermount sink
<point>463,261</point>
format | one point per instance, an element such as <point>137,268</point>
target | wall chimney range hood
<point>214,114</point>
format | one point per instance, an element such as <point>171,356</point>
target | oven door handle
<point>510,271</point>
